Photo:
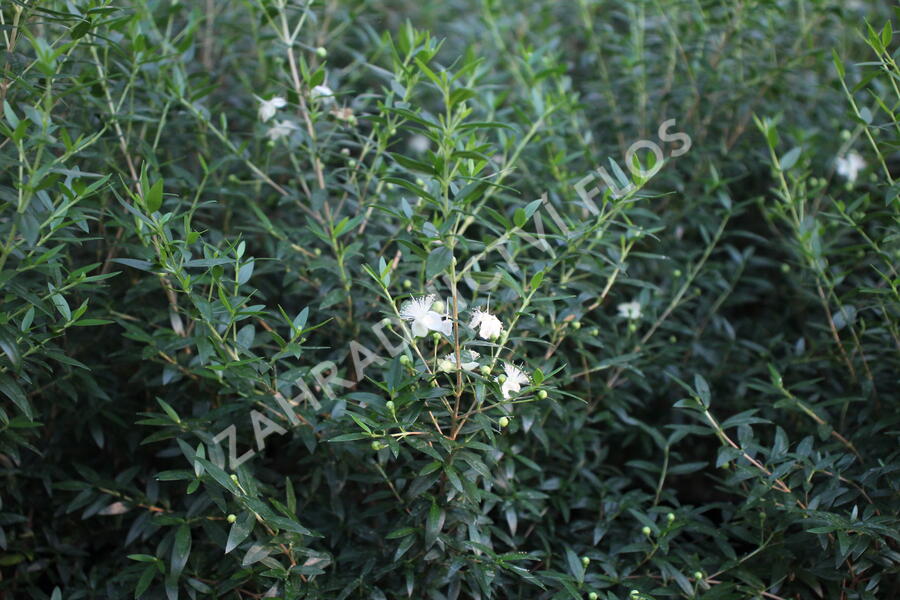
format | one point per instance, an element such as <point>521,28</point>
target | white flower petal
<point>489,326</point>
<point>418,329</point>
<point>267,108</point>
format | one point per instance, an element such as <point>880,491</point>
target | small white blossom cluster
<point>267,110</point>
<point>423,318</point>
<point>285,127</point>
<point>849,166</point>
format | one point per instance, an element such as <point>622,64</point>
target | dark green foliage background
<point>165,271</point>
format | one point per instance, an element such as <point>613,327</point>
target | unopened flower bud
<point>317,252</point>
<point>485,370</point>
<point>390,405</point>
<point>670,517</point>
<point>407,283</point>
<point>405,360</point>
<point>376,445</point>
<point>321,52</point>
<point>542,394</point>
<point>595,331</point>
<point>593,596</point>
<point>234,478</point>
<point>677,272</point>
<point>501,379</point>
<point>576,325</point>
<point>646,530</point>
<point>436,337</point>
<point>503,422</point>
<point>231,518</point>
<point>698,575</point>
<point>585,561</point>
<point>438,307</point>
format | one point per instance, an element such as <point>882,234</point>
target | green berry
<point>542,394</point>
<point>231,518</point>
<point>646,530</point>
<point>503,422</point>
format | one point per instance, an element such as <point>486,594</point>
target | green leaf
<point>14,392</point>
<point>181,549</point>
<point>153,197</point>
<point>702,389</point>
<point>438,260</point>
<point>169,410</point>
<point>9,347</point>
<point>61,305</point>
<point>838,63</point>
<point>576,568</point>
<point>790,159</point>
<point>520,218</point>
<point>433,524</point>
<point>240,529</point>
<point>145,581</point>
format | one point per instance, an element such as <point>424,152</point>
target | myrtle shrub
<point>467,299</point>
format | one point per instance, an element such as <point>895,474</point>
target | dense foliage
<point>663,370</point>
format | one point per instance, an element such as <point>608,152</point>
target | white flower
<point>489,326</point>
<point>630,310</point>
<point>849,166</point>
<point>468,357</point>
<point>281,129</point>
<point>322,92</point>
<point>267,108</point>
<point>515,379</point>
<point>418,310</point>
<point>419,143</point>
